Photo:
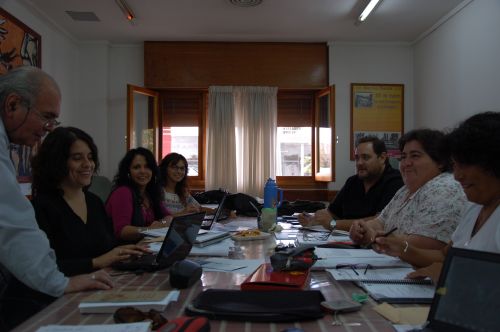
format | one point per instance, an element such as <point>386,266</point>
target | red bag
<point>187,324</point>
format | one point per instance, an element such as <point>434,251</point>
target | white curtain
<point>221,142</point>
<point>251,120</point>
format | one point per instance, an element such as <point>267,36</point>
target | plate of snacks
<point>250,234</point>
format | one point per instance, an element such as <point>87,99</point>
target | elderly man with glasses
<point>29,105</point>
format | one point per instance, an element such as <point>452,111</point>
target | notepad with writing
<point>399,293</point>
<point>109,301</point>
<point>375,275</point>
<point>264,278</point>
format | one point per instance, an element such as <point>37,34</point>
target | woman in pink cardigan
<point>135,203</point>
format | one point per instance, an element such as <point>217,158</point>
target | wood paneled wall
<point>202,64</point>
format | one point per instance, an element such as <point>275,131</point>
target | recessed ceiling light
<point>246,3</point>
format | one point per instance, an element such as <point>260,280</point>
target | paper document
<point>400,293</point>
<point>127,327</point>
<point>218,264</point>
<point>370,273</point>
<point>217,249</point>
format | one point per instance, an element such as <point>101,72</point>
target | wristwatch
<point>333,224</point>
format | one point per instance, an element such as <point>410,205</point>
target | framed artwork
<point>19,46</point>
<point>377,110</point>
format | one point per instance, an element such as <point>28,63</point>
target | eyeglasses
<point>178,168</point>
<point>133,315</point>
<point>48,123</point>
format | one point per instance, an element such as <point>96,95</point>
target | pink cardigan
<point>120,209</point>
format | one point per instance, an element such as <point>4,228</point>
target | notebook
<point>176,246</point>
<point>467,296</point>
<point>110,301</point>
<point>209,220</point>
<point>386,284</point>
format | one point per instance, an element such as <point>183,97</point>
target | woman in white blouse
<point>475,149</point>
<point>427,209</point>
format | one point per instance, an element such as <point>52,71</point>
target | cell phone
<point>340,306</point>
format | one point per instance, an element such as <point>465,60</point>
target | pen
<point>383,235</point>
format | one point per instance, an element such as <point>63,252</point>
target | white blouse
<point>486,239</point>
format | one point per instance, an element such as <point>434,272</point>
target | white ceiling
<point>273,20</point>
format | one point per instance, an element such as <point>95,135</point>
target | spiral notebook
<point>387,285</point>
<point>375,275</point>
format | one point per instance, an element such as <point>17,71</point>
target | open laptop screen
<point>180,238</point>
<point>209,220</point>
<point>468,293</point>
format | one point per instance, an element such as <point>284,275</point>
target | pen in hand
<point>383,235</point>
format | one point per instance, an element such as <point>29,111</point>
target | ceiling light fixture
<point>127,11</point>
<point>368,9</point>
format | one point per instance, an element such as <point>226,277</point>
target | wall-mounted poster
<point>377,110</point>
<point>19,46</point>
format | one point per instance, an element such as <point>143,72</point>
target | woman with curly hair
<point>136,201</point>
<point>474,147</point>
<point>73,218</point>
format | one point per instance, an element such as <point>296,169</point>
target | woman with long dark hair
<point>173,179</point>
<point>136,200</point>
<point>73,218</point>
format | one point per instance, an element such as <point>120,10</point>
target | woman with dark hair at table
<point>73,218</point>
<point>427,209</point>
<point>474,147</point>
<point>136,202</point>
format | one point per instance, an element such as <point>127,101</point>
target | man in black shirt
<point>365,194</point>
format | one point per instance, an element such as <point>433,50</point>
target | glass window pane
<point>183,140</point>
<point>294,151</point>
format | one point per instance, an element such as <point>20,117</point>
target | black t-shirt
<point>352,202</point>
<point>75,243</point>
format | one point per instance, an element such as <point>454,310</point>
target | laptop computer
<point>176,246</point>
<point>468,294</point>
<point>209,220</point>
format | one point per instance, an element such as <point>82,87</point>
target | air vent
<point>246,3</point>
<point>83,16</point>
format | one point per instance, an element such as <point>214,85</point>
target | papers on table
<point>371,274</point>
<point>218,249</point>
<point>331,258</point>
<point>318,238</point>
<point>127,327</point>
<point>219,264</point>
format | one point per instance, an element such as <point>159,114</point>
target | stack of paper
<point>331,258</point>
<point>109,301</point>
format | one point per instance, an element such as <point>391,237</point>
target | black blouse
<point>75,243</point>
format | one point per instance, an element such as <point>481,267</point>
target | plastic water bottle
<point>271,194</point>
<point>271,203</point>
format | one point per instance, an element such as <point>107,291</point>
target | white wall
<point>126,65</point>
<point>457,67</point>
<point>364,63</point>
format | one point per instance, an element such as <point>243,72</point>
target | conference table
<point>64,311</point>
